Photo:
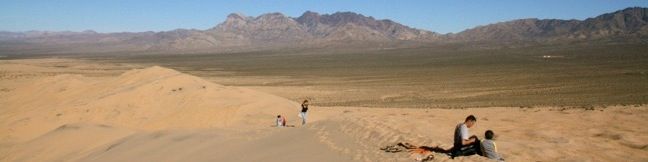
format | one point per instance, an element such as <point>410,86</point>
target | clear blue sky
<point>159,15</point>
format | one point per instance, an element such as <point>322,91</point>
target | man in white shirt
<point>464,144</point>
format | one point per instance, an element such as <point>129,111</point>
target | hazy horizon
<point>124,16</point>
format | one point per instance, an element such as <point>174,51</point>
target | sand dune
<point>152,99</point>
<point>159,114</point>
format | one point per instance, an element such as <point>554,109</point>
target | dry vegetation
<point>447,76</point>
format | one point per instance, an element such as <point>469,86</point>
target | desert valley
<point>550,89</point>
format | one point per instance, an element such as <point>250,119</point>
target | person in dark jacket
<point>304,109</point>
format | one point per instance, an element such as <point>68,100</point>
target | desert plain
<point>582,103</point>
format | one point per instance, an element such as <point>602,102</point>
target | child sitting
<point>489,148</point>
<point>280,121</point>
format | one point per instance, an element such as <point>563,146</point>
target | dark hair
<point>304,101</point>
<point>489,134</point>
<point>278,116</point>
<point>471,118</point>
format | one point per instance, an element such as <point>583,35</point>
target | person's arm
<point>468,141</point>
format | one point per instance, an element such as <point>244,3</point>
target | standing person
<point>463,144</point>
<point>304,109</point>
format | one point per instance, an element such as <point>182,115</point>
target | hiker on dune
<point>464,144</point>
<point>304,109</point>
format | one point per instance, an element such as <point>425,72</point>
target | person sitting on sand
<point>304,109</point>
<point>489,148</point>
<point>463,144</point>
<point>280,121</point>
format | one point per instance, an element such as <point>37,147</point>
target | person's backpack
<point>283,121</point>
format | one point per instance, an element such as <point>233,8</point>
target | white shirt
<point>464,132</point>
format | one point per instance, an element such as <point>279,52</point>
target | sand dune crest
<point>151,99</point>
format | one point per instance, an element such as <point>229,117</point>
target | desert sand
<point>81,112</point>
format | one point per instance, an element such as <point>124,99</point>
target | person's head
<point>278,116</point>
<point>305,102</point>
<point>470,121</point>
<point>489,134</point>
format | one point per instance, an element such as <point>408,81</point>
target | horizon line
<point>341,11</point>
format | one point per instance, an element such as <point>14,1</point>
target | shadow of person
<point>436,149</point>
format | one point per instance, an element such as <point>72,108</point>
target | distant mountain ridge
<point>275,30</point>
<point>630,22</point>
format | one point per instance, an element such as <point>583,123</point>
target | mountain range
<point>275,30</point>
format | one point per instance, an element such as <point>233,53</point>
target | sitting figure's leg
<point>468,150</point>
<point>464,151</point>
<point>472,149</point>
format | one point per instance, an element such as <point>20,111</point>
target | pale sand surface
<point>103,112</point>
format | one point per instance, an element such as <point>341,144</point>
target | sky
<point>162,15</point>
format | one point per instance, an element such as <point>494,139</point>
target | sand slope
<point>67,143</point>
<point>154,98</point>
<point>219,145</point>
<point>537,134</point>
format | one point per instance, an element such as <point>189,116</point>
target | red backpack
<point>284,121</point>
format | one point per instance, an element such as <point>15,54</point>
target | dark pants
<point>467,150</point>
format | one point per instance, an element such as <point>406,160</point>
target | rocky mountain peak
<point>339,18</point>
<point>309,18</point>
<point>632,18</point>
<point>274,15</point>
<point>236,16</point>
<point>310,14</point>
<point>234,21</point>
<point>274,19</point>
